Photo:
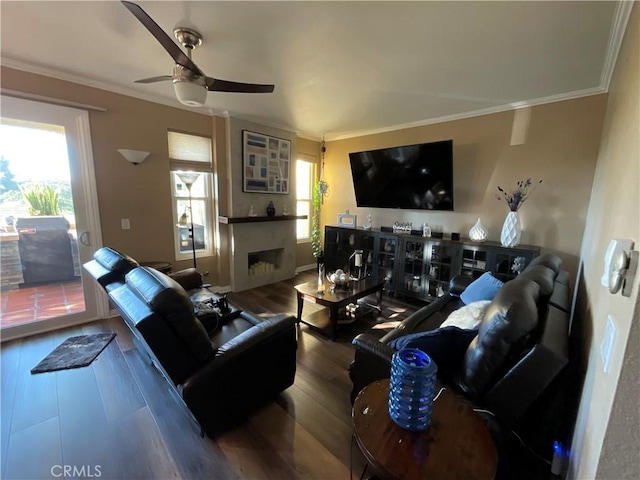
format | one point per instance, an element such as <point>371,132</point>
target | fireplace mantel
<point>276,218</point>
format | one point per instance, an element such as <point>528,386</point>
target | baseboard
<point>304,268</point>
<point>216,289</point>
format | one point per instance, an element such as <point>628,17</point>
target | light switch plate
<point>124,223</point>
<point>606,347</point>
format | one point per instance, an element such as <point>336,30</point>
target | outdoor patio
<point>37,303</point>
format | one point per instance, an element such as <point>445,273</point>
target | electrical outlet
<point>606,347</point>
<point>125,224</point>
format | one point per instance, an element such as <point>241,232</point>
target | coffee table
<point>334,299</point>
<point>457,444</point>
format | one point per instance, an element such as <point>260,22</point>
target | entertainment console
<point>421,267</point>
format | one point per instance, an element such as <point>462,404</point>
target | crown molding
<point>621,19</point>
<point>53,101</point>
<point>101,85</point>
<point>309,136</point>
<point>618,28</point>
<point>39,70</point>
<point>475,113</point>
<point>266,123</point>
<point>87,82</point>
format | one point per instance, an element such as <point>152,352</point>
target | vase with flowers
<point>512,228</point>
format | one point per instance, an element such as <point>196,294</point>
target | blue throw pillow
<point>483,288</point>
<point>446,346</point>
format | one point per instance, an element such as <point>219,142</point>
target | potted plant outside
<point>42,200</point>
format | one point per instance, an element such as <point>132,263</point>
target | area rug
<point>74,352</point>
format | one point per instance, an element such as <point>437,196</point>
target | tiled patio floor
<point>29,304</point>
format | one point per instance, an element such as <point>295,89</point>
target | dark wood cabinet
<point>379,251</point>
<point>429,264</point>
<point>412,280</point>
<point>384,259</point>
<point>421,267</point>
<point>474,261</point>
<point>503,263</point>
<point>443,262</point>
<point>339,244</point>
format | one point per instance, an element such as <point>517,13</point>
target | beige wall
<point>245,238</point>
<point>561,146</point>
<point>609,416</point>
<point>242,201</point>
<point>311,151</point>
<point>140,193</point>
<point>220,141</point>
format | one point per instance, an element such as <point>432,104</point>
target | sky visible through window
<point>35,154</point>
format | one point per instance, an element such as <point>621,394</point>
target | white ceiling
<point>340,68</point>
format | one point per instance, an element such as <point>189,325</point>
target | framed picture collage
<point>266,163</point>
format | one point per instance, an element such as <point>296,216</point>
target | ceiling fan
<point>190,83</point>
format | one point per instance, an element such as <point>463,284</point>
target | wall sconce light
<point>133,156</point>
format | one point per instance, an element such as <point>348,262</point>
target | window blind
<point>189,152</point>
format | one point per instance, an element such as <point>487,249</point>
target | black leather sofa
<point>222,374</point>
<point>520,349</point>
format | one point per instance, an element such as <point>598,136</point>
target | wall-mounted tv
<point>416,177</point>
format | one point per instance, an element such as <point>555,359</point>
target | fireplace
<point>262,253</point>
<point>265,261</point>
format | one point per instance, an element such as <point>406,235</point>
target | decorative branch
<point>517,196</point>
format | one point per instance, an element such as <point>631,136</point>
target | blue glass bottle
<point>411,389</point>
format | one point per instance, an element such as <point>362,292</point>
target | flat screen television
<point>418,177</point>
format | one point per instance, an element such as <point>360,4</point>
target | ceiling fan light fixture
<point>189,93</point>
<point>190,83</point>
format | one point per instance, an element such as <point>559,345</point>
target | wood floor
<point>119,419</point>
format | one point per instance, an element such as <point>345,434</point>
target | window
<point>191,167</point>
<point>197,206</point>
<point>304,189</point>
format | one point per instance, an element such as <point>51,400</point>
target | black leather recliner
<point>109,267</point>
<point>520,349</point>
<point>222,375</point>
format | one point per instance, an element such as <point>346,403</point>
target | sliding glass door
<point>49,221</point>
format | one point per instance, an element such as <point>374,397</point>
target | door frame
<point>82,169</point>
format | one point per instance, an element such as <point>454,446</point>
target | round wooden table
<point>457,445</point>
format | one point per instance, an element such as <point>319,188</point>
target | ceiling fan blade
<point>160,78</point>
<point>217,85</point>
<point>165,40</point>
